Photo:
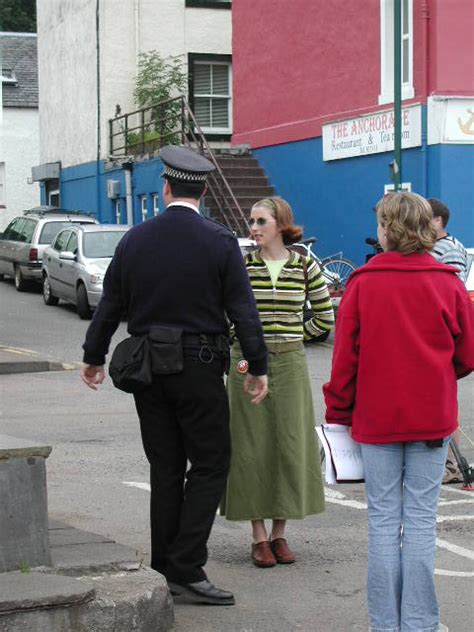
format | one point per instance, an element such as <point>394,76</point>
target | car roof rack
<point>45,210</point>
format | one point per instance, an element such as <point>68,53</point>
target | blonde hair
<point>281,211</point>
<point>407,219</point>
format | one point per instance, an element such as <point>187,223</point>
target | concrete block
<point>24,519</point>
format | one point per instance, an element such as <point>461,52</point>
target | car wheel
<point>83,307</point>
<point>48,296</point>
<point>20,283</point>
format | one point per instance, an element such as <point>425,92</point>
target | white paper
<point>342,454</point>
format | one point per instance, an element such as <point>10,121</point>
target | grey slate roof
<point>19,53</point>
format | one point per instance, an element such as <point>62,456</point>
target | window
<point>27,231</point>
<point>53,198</point>
<point>8,76</point>
<point>386,50</point>
<point>210,90</point>
<point>210,4</point>
<point>156,204</point>
<point>72,243</point>
<point>13,230</point>
<point>50,229</point>
<point>61,240</point>
<point>144,206</point>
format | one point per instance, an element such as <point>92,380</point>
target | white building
<point>88,54</point>
<point>19,135</point>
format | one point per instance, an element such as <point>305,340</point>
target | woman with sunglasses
<point>275,470</point>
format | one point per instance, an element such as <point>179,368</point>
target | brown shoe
<point>281,551</point>
<point>262,554</point>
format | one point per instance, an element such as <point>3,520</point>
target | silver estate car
<point>75,264</point>
<point>24,240</point>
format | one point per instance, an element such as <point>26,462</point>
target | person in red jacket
<point>404,335</point>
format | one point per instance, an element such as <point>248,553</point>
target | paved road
<point>97,480</point>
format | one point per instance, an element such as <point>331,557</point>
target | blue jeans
<point>402,481</point>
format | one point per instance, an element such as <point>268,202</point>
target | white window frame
<point>118,211</point>
<point>144,207</point>
<point>50,195</point>
<point>212,62</point>
<point>156,204</point>
<point>386,53</point>
<point>8,76</point>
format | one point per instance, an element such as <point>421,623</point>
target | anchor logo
<point>468,126</point>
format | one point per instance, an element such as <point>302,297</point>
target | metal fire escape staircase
<point>236,184</point>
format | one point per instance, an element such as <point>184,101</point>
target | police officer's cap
<point>184,165</point>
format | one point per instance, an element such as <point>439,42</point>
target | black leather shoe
<point>203,592</point>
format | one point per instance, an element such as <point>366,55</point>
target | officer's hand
<point>92,375</point>
<point>256,386</point>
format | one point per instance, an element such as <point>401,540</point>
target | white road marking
<point>454,548</point>
<point>440,571</point>
<point>453,518</point>
<point>443,503</point>
<point>335,497</point>
<point>145,486</point>
<point>455,490</point>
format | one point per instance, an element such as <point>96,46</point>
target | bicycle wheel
<point>338,270</point>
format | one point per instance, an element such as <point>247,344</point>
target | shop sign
<point>370,134</point>
<point>450,120</point>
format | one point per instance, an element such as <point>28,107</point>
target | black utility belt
<point>214,341</point>
<point>160,352</point>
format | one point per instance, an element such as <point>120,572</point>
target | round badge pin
<point>242,366</point>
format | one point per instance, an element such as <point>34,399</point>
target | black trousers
<point>185,417</point>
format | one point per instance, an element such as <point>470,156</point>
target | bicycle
<point>335,269</point>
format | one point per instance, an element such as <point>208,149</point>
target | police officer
<point>183,270</point>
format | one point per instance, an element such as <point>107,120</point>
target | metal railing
<point>172,122</point>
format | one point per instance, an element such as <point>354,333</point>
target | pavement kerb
<point>94,583</point>
<point>15,360</point>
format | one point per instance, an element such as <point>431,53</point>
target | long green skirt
<point>275,467</point>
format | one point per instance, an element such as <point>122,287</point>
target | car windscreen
<point>51,229</point>
<point>101,244</point>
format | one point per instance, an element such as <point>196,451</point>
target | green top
<point>280,302</point>
<point>274,267</point>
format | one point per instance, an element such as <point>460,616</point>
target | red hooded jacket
<point>404,335</point>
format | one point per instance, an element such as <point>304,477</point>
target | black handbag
<point>130,367</point>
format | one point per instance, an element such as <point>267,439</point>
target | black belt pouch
<point>129,366</point>
<point>166,349</point>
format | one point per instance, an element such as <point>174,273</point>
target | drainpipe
<point>99,114</point>
<point>425,16</point>
<point>397,93</point>
<point>137,30</point>
<point>127,167</point>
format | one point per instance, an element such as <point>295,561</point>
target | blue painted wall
<point>333,200</point>
<point>84,187</point>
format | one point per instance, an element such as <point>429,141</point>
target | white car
<point>75,264</point>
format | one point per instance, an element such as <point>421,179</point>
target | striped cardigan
<point>281,306</point>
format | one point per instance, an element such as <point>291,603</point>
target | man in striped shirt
<point>447,248</point>
<point>450,251</point>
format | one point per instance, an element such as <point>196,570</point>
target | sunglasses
<point>261,221</point>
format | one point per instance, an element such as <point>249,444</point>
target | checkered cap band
<point>187,176</point>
